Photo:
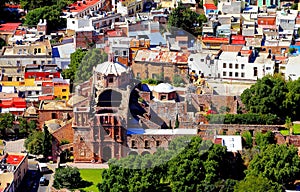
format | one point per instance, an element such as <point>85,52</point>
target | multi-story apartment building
<point>27,53</point>
<point>245,65</point>
<point>13,168</point>
<point>129,7</point>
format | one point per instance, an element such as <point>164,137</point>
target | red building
<point>14,105</point>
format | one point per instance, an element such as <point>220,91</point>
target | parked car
<point>43,181</point>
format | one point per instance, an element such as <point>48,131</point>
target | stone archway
<point>145,153</point>
<point>106,154</point>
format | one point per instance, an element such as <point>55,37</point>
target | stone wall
<point>46,115</point>
<point>149,70</point>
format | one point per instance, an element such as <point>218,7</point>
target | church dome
<point>164,88</point>
<point>111,68</point>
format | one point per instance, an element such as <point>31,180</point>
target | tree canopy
<point>91,59</point>
<point>76,59</point>
<point>6,125</point>
<point>185,18</point>
<point>278,163</point>
<point>190,164</point>
<point>257,184</point>
<point>39,143</point>
<point>274,95</point>
<point>50,13</point>
<point>266,96</point>
<point>68,177</point>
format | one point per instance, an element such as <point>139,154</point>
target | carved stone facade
<point>99,129</point>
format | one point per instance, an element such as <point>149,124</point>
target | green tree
<point>248,139</point>
<point>177,80</point>
<point>176,121</point>
<point>294,6</point>
<point>264,139</point>
<point>292,99</point>
<point>6,125</point>
<point>197,168</point>
<point>47,142</point>
<point>266,96</point>
<point>185,18</point>
<point>34,143</point>
<point>32,125</point>
<point>91,59</point>
<point>257,184</point>
<point>76,59</point>
<point>68,177</point>
<point>24,128</point>
<point>50,13</point>
<point>278,163</point>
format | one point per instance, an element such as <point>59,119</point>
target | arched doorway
<point>132,153</point>
<point>106,154</point>
<point>145,153</point>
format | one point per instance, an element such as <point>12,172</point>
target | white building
<point>232,142</point>
<point>293,68</point>
<point>203,63</point>
<point>244,65</point>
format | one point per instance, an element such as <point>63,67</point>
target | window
<point>64,90</point>
<point>124,53</point>
<point>236,66</point>
<point>202,60</point>
<point>230,74</point>
<point>254,71</point>
<point>43,62</point>
<point>147,144</point>
<point>242,66</point>
<point>53,116</point>
<point>157,143</point>
<point>37,92</point>
<point>268,68</point>
<point>242,74</point>
<point>230,65</point>
<point>224,65</point>
<point>18,63</point>
<point>29,92</point>
<point>224,73</point>
<point>39,50</point>
<point>133,144</point>
<point>34,62</point>
<point>111,80</point>
<point>49,62</point>
<point>64,97</point>
<point>236,74</point>
<point>116,52</point>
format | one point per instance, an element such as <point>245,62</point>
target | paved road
<point>15,146</point>
<point>30,182</point>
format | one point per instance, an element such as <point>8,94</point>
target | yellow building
<point>62,91</point>
<point>130,7</point>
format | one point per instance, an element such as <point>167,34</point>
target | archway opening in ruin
<point>106,154</point>
<point>145,153</point>
<point>132,153</point>
<point>109,98</point>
